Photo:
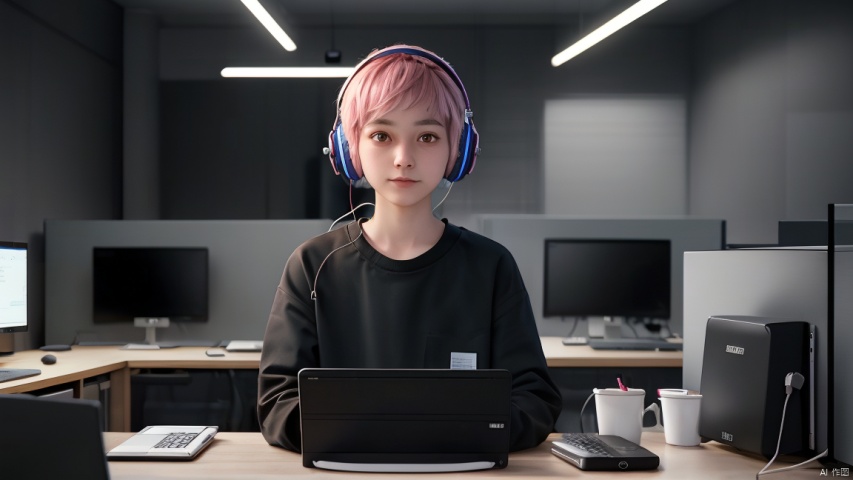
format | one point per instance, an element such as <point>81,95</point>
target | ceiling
<point>364,13</point>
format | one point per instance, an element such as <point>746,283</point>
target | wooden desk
<point>559,355</point>
<point>246,455</point>
<point>74,366</point>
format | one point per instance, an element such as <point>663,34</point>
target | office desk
<point>74,366</point>
<point>562,356</point>
<point>245,455</point>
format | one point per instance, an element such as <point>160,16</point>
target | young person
<point>403,289</point>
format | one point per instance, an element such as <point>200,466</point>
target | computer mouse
<point>48,359</point>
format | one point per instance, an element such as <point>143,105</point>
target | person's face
<point>404,154</point>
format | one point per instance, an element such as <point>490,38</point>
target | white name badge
<point>463,361</point>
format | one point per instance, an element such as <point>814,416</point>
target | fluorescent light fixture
<point>287,72</point>
<point>267,21</point>
<point>633,12</point>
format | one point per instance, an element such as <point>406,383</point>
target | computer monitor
<point>13,287</point>
<point>607,278</point>
<point>149,286</point>
<point>13,303</point>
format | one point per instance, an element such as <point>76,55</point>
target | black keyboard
<point>589,445</point>
<point>176,440</point>
<point>590,451</point>
<point>16,373</point>
<point>633,344</point>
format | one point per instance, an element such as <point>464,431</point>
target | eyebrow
<point>426,121</point>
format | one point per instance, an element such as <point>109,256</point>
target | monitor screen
<point>149,282</point>
<point>607,278</point>
<point>13,287</point>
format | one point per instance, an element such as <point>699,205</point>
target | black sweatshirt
<point>464,295</point>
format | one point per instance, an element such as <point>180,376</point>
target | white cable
<point>314,287</point>
<point>443,198</point>
<point>351,212</point>
<point>779,440</point>
<point>792,381</point>
<point>794,467</point>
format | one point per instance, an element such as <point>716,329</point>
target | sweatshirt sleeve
<point>290,344</point>
<point>535,401</point>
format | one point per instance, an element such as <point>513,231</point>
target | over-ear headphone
<point>469,141</point>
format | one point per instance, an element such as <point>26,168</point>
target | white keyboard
<point>140,346</point>
<point>244,345</point>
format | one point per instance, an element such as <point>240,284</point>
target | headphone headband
<point>338,149</point>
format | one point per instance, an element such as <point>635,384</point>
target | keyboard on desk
<point>176,440</point>
<point>633,344</point>
<point>591,451</point>
<point>7,375</point>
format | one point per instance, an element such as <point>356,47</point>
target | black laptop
<point>51,438</point>
<point>401,420</point>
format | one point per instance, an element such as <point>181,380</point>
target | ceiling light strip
<point>629,15</point>
<point>287,72</point>
<point>267,21</point>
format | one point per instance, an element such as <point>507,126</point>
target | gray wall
<point>60,124</point>
<point>771,128</point>
<point>524,236</point>
<point>269,132</point>
<point>246,260</point>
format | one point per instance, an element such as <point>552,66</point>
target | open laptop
<point>164,442</point>
<point>51,438</point>
<point>401,420</point>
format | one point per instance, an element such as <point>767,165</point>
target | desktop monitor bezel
<point>16,328</point>
<point>663,312</point>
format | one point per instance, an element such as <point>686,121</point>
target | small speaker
<point>746,360</point>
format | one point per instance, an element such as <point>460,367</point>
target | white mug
<point>620,412</point>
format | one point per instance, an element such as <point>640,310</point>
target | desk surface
<point>559,355</point>
<point>246,455</point>
<point>83,362</point>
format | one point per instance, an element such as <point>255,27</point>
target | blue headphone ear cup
<point>467,158</point>
<point>341,160</point>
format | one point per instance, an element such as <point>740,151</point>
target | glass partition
<point>840,249</point>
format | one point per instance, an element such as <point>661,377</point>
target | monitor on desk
<point>150,286</point>
<point>607,278</point>
<point>13,287</point>
<point>13,303</point>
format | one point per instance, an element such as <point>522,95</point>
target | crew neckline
<point>448,238</point>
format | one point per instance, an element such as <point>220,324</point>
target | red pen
<point>621,385</point>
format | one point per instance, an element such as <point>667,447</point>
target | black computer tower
<point>746,361</point>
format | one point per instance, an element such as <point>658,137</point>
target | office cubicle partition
<point>247,258</point>
<point>840,236</point>
<point>784,283</point>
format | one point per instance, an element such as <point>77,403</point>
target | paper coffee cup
<point>680,417</point>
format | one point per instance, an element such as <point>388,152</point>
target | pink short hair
<point>400,80</point>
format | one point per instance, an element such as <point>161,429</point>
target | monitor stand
<point>607,328</point>
<point>605,333</point>
<point>151,325</point>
